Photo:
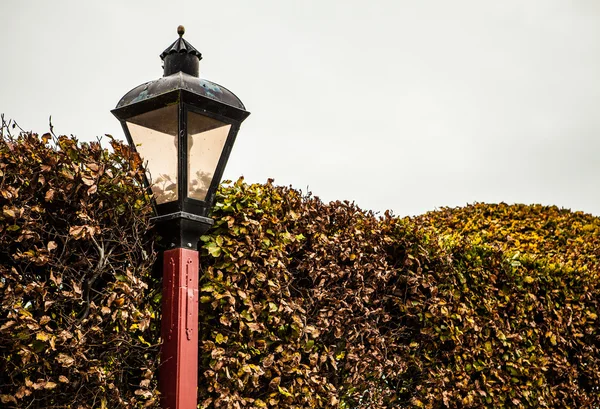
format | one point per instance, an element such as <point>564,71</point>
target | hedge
<point>78,304</point>
<point>304,304</point>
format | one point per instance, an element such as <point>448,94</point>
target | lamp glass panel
<point>206,139</point>
<point>154,134</point>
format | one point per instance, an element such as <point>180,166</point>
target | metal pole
<point>178,380</point>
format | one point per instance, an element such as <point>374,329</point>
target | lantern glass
<point>206,139</point>
<point>154,134</point>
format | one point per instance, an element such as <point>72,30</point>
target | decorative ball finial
<point>181,31</point>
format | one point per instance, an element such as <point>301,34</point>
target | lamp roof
<point>181,81</point>
<point>181,46</point>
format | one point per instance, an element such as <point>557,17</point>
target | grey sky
<point>401,104</point>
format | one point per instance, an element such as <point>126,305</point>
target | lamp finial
<point>181,56</point>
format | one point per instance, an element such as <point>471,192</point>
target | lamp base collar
<point>181,229</point>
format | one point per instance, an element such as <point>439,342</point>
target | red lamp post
<point>184,129</point>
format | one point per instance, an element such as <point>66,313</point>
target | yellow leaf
<point>42,336</point>
<point>284,391</point>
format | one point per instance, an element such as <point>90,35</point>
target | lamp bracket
<point>181,229</point>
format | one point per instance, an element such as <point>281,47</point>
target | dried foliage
<point>78,323</point>
<point>303,304</point>
<point>306,304</point>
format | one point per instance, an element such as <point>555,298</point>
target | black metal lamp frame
<point>184,220</point>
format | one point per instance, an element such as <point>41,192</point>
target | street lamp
<point>183,127</point>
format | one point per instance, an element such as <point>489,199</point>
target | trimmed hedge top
<point>303,304</point>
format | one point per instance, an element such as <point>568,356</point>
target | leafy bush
<point>323,305</point>
<point>303,304</point>
<point>78,319</point>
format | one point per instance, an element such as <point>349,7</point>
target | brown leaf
<point>8,399</point>
<point>67,174</point>
<point>143,393</point>
<point>22,392</point>
<point>275,382</point>
<point>7,325</point>
<point>65,360</point>
<point>77,231</point>
<point>49,195</point>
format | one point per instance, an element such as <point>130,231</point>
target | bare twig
<point>87,283</point>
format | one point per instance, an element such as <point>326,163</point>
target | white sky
<point>406,105</point>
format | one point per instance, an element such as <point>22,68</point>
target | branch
<point>87,283</point>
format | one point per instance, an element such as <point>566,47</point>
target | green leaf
<point>207,288</point>
<point>213,249</point>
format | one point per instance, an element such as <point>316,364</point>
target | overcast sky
<point>407,105</point>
